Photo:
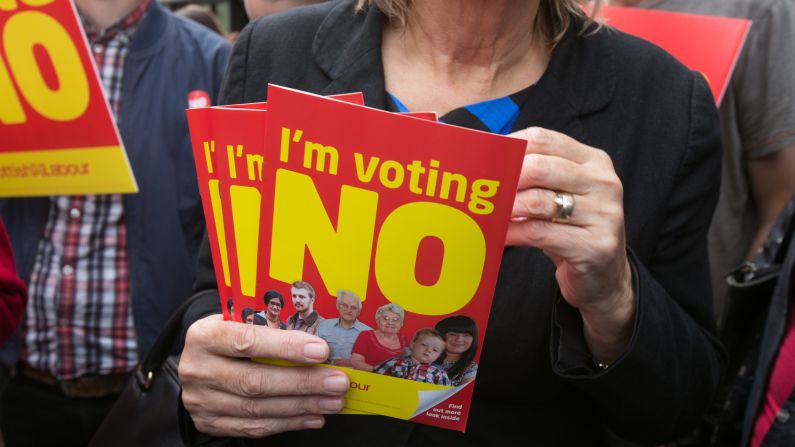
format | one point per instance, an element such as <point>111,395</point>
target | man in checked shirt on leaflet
<point>104,272</point>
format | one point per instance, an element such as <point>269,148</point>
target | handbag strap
<point>780,236</point>
<point>163,345</point>
<point>771,255</point>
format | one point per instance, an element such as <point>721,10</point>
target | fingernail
<point>315,351</point>
<point>330,404</point>
<point>313,422</point>
<point>538,135</point>
<point>335,384</point>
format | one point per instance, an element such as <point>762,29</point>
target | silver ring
<point>564,203</point>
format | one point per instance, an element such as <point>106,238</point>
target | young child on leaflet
<point>426,346</point>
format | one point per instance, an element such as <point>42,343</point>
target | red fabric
<point>374,352</point>
<point>780,386</point>
<point>13,295</point>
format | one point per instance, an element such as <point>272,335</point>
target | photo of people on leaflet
<point>385,340</point>
<point>274,303</point>
<point>341,333</point>
<point>426,347</point>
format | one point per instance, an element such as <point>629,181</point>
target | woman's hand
<point>358,362</point>
<point>588,247</point>
<point>227,394</point>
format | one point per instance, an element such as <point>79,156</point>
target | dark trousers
<point>36,414</point>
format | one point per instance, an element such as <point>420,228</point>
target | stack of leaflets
<point>389,208</point>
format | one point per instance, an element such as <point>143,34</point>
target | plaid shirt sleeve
<point>387,366</point>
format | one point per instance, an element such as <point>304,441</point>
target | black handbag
<point>749,293</point>
<point>146,413</point>
<point>750,288</point>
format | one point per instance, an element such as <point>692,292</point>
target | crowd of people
<point>610,309</point>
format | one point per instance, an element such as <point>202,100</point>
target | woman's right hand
<point>227,394</point>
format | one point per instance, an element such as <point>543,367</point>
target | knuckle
<point>244,340</point>
<point>538,202</point>
<point>197,332</point>
<point>190,400</point>
<point>302,407</point>
<point>606,246</point>
<point>187,370</point>
<point>250,383</point>
<point>263,427</point>
<point>536,234</point>
<point>533,202</point>
<point>536,167</point>
<point>249,408</point>
<point>306,381</point>
<point>618,190</point>
<point>603,157</point>
<point>209,425</point>
<point>285,347</point>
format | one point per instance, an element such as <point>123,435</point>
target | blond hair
<point>551,22</point>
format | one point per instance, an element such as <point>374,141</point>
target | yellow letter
<point>383,174</point>
<point>461,186</point>
<point>11,111</point>
<point>482,189</point>
<point>300,222</point>
<point>8,5</point>
<point>365,174</point>
<point>462,263</point>
<point>254,163</point>
<point>27,29</point>
<point>323,152</point>
<point>245,202</point>
<point>209,148</point>
<point>218,217</point>
<point>37,3</point>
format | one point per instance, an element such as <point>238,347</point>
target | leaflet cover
<point>332,209</point>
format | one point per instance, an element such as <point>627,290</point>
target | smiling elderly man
<point>340,333</point>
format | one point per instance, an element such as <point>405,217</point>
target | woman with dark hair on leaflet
<point>602,317</point>
<point>461,344</point>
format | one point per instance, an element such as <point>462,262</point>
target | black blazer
<point>536,384</point>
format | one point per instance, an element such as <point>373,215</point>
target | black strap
<point>163,345</point>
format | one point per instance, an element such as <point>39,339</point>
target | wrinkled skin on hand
<point>227,394</point>
<point>589,250</point>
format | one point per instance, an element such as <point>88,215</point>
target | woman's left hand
<point>584,237</point>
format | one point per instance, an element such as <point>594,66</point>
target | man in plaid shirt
<point>104,272</point>
<point>426,346</point>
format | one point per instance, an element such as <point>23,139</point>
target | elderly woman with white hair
<point>373,347</point>
<point>602,318</point>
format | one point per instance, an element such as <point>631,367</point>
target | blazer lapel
<point>567,90</point>
<point>347,48</point>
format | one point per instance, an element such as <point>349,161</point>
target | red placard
<point>58,135</point>
<point>707,44</point>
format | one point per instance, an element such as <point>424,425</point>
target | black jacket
<point>537,385</point>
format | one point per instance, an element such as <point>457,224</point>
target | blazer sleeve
<point>232,92</point>
<point>661,386</point>
<point>233,87</point>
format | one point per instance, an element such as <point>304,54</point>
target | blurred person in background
<point>261,8</point>
<point>105,272</point>
<point>13,294</point>
<point>201,14</point>
<point>757,118</point>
